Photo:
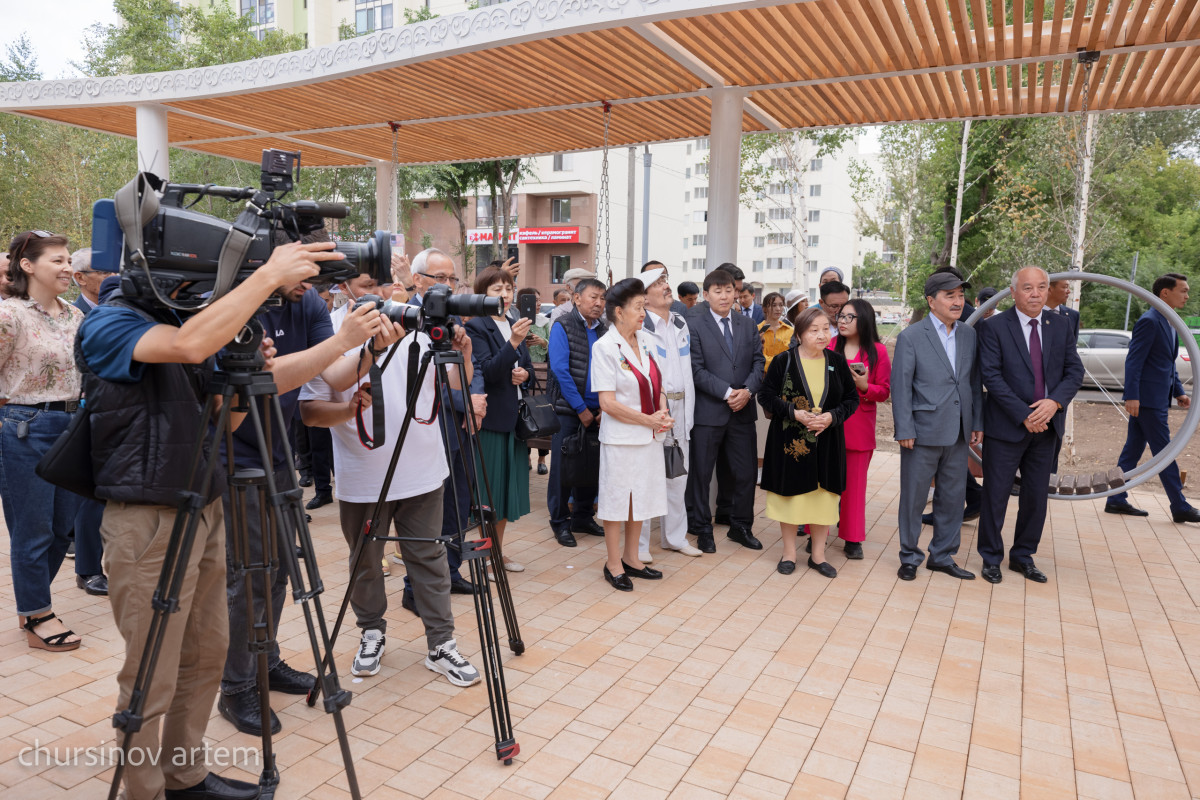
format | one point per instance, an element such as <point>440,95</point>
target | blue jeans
<point>39,515</point>
<point>1150,427</point>
<point>582,499</point>
<point>89,549</point>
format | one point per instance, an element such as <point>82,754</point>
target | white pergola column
<point>152,149</point>
<point>724,175</point>
<point>387,209</point>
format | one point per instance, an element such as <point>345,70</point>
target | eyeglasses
<point>442,278</point>
<point>847,317</point>
<point>21,251</point>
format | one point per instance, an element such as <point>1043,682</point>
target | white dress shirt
<point>1025,320</point>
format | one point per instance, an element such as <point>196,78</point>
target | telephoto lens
<point>404,315</point>
<point>373,257</point>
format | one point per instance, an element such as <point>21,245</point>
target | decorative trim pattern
<point>478,29</point>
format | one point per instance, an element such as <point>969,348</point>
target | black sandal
<point>56,644</point>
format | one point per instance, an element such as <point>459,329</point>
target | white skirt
<point>631,471</point>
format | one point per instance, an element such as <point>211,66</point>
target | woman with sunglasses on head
<point>39,387</point>
<point>776,332</point>
<point>858,341</point>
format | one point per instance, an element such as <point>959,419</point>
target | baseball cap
<point>943,282</point>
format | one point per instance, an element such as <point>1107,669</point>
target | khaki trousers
<point>180,694</point>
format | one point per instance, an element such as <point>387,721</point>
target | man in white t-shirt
<point>414,501</point>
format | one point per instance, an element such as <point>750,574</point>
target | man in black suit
<point>727,367</point>
<point>1031,372</point>
<point>1056,303</point>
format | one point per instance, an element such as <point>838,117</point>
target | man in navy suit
<point>1056,303</point>
<point>1031,371</point>
<point>87,279</point>
<point>748,307</point>
<point>727,369</point>
<point>1151,380</point>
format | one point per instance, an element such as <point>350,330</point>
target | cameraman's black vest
<point>143,433</point>
<point>580,358</point>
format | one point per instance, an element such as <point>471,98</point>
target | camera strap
<point>378,436</point>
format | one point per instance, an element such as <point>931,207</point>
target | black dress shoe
<point>93,584</point>
<point>1030,572</point>
<point>744,537</point>
<point>953,570</point>
<point>542,470</point>
<point>1188,515</point>
<point>243,710</point>
<point>587,526</point>
<point>306,480</point>
<point>462,586</point>
<point>785,567</point>
<point>215,787</point>
<point>564,537</point>
<point>319,499</point>
<point>907,572</point>
<point>1125,508</point>
<point>619,582</point>
<point>283,678</point>
<point>825,568</point>
<point>927,519</point>
<point>721,519</point>
<point>645,573</point>
<point>971,512</point>
<point>991,573</point>
<point>854,551</point>
<point>706,543</point>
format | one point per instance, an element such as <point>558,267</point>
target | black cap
<point>943,282</point>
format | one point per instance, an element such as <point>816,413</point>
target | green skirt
<point>506,461</point>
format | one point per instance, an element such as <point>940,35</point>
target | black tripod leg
<point>260,633</point>
<point>167,591</point>
<point>478,554</point>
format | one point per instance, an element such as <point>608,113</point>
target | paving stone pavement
<point>725,679</point>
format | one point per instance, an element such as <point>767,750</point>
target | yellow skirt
<point>818,507</point>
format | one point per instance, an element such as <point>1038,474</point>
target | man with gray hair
<point>1031,371</point>
<point>87,279</point>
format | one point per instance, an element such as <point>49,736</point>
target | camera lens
<point>475,305</point>
<point>373,257</point>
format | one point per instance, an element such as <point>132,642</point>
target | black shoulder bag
<point>536,418</point>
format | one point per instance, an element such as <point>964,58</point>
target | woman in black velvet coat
<point>809,392</point>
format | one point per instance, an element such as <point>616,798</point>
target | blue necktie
<point>728,335</point>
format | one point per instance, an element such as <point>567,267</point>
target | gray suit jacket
<point>927,396</point>
<point>714,370</point>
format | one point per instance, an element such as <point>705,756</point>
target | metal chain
<point>605,201</point>
<point>393,201</point>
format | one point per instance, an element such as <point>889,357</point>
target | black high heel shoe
<point>619,582</point>
<point>644,573</point>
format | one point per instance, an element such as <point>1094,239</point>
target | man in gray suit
<point>935,384</point>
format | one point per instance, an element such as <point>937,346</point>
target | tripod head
<point>244,354</point>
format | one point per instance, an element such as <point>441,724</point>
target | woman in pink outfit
<point>858,341</point>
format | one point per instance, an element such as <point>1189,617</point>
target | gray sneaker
<point>446,660</point>
<point>370,653</point>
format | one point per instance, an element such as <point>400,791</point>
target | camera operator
<point>414,503</point>
<point>305,346</point>
<point>145,378</point>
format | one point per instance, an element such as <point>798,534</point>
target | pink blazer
<point>860,428</point>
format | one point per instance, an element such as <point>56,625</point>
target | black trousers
<point>1034,456</point>
<point>736,445</point>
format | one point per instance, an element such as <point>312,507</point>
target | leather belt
<point>676,395</point>
<point>58,405</point>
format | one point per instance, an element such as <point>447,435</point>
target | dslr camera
<point>433,317</point>
<point>169,254</point>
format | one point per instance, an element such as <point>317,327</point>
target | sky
<point>55,29</point>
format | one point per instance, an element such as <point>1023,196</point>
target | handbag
<point>536,417</point>
<point>68,462</point>
<point>581,458</point>
<point>673,454</point>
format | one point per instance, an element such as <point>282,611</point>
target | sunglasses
<point>16,259</point>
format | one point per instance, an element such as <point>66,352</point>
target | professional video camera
<point>433,315</point>
<point>184,259</point>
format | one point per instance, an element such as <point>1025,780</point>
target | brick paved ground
<point>727,679</point>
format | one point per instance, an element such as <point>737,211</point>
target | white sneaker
<point>370,653</point>
<point>688,550</point>
<point>645,557</point>
<point>446,660</point>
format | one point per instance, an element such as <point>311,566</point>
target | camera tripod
<point>238,385</point>
<point>478,555</point>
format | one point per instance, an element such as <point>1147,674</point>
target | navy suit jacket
<point>1150,374</point>
<point>495,358</point>
<point>756,312</point>
<point>714,370</point>
<point>1008,372</point>
<point>82,305</point>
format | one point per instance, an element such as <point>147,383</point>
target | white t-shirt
<point>422,466</point>
<point>612,365</point>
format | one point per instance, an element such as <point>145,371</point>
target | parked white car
<point>1103,354</point>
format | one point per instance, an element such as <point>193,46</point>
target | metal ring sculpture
<point>1156,464</point>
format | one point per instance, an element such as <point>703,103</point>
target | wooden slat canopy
<point>516,79</point>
